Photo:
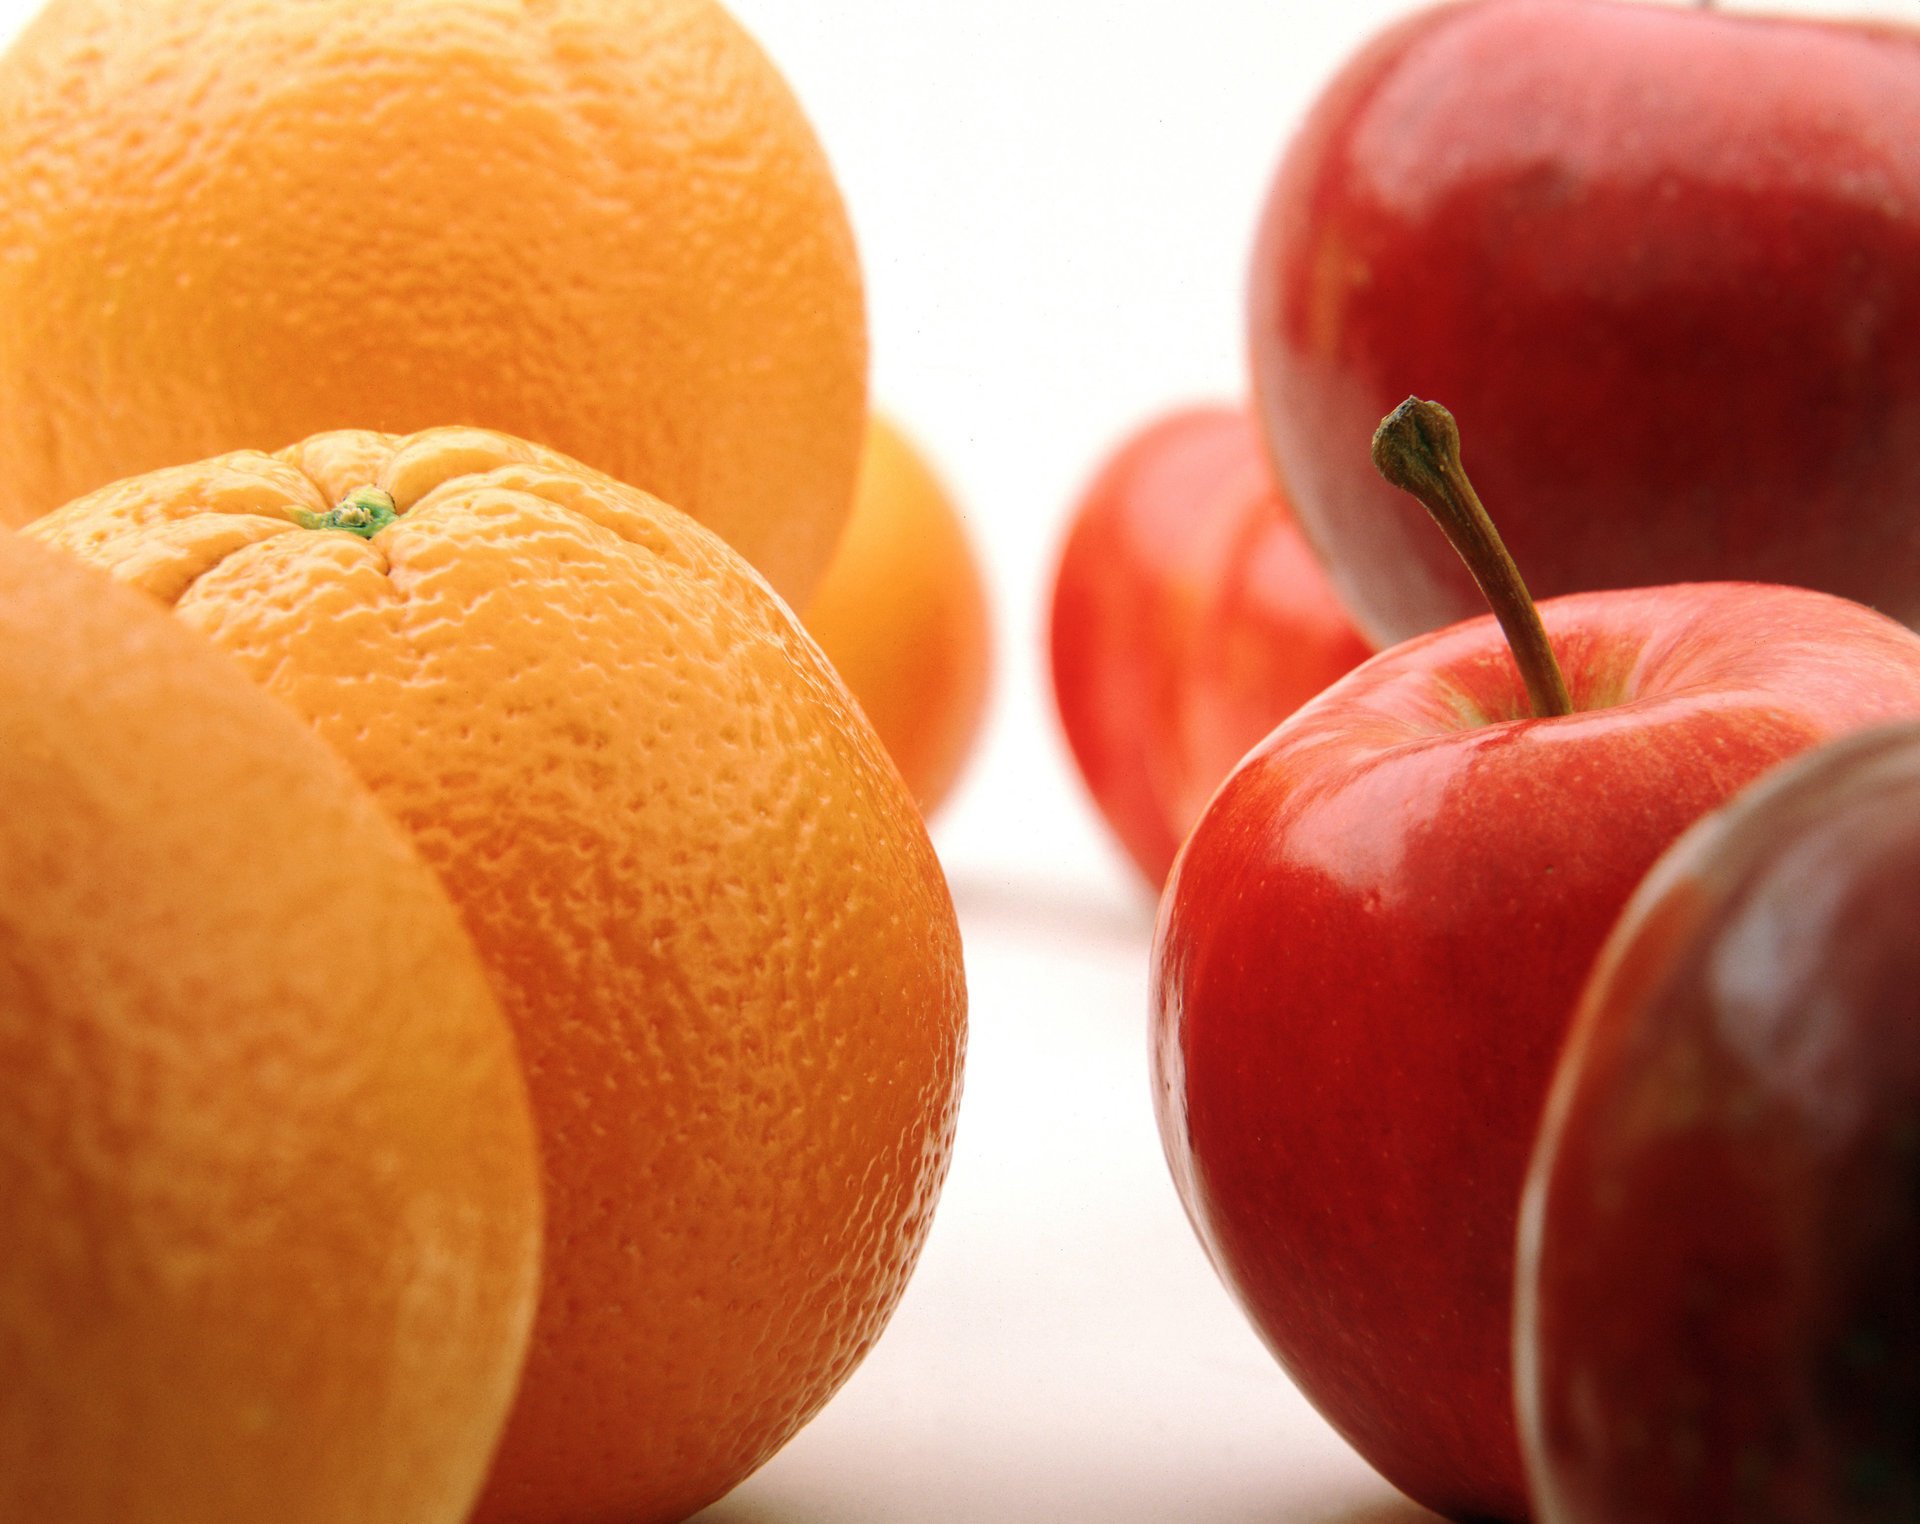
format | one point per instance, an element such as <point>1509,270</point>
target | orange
<point>902,613</point>
<point>708,903</point>
<point>601,224</point>
<point>269,1198</point>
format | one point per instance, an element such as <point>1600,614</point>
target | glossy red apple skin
<point>1188,618</point>
<point>1718,1309</point>
<point>1702,228</point>
<point>1370,949</point>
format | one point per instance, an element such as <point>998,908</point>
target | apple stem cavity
<point>1417,449</point>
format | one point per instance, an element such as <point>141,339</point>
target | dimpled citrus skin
<point>709,904</point>
<point>269,1195</point>
<point>601,224</point>
<point>902,614</point>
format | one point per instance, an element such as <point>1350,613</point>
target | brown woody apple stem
<point>1417,449</point>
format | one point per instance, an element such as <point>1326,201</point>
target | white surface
<point>1054,200</point>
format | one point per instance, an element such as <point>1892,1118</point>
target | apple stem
<point>1417,449</point>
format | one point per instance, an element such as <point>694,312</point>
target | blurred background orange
<point>902,612</point>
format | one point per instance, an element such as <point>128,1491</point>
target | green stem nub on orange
<point>365,511</point>
<point>1417,449</point>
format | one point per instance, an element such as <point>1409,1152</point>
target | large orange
<point>708,902</point>
<point>269,1198</point>
<point>902,614</point>
<point>601,224</point>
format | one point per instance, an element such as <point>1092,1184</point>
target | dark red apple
<point>1703,227</point>
<point>1372,943</point>
<point>1189,617</point>
<point>1718,1318</point>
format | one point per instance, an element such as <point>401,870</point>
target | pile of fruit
<point>481,1018</point>
<point>1529,860</point>
<point>480,1015</point>
<point>1512,866</point>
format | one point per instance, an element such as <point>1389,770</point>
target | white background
<point>1054,200</point>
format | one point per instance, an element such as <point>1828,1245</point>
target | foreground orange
<point>269,1198</point>
<point>708,902</point>
<point>902,614</point>
<point>601,224</point>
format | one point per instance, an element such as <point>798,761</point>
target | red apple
<point>1128,574</point>
<point>1373,940</point>
<point>1703,227</point>
<point>1188,619</point>
<point>1270,635</point>
<point>1718,1312</point>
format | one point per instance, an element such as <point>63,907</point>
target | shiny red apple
<point>1718,1311</point>
<point>1372,943</point>
<point>1189,617</point>
<point>1703,227</point>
